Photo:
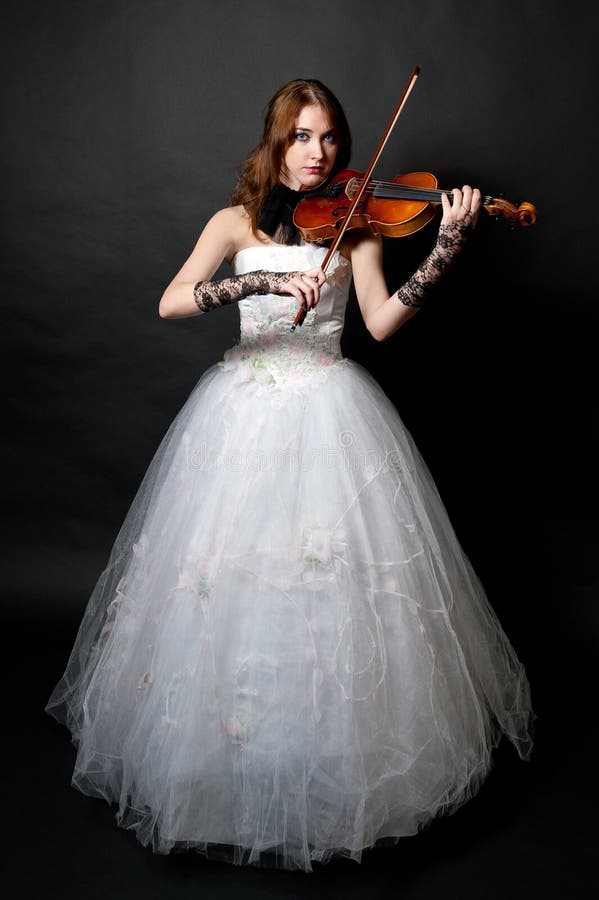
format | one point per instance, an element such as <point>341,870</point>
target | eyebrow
<point>300,128</point>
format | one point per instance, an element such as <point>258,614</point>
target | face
<point>311,155</point>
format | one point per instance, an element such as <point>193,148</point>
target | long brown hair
<point>260,172</point>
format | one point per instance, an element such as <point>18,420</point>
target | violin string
<point>400,190</point>
<point>393,190</point>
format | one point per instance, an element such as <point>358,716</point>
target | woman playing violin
<point>306,141</point>
<point>289,657</point>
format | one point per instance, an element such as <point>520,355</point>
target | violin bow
<point>301,315</point>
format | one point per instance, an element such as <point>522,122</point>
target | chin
<point>312,181</point>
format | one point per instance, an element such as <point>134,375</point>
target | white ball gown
<point>288,656</point>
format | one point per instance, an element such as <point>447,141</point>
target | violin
<point>393,208</point>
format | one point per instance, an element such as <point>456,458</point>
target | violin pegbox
<point>516,215</point>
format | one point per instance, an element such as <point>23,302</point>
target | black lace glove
<point>450,241</point>
<point>212,294</point>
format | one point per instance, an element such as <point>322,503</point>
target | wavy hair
<point>261,171</point>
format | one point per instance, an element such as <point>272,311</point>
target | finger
<point>318,276</point>
<point>446,205</point>
<point>467,197</point>
<point>292,289</point>
<point>315,296</point>
<point>295,292</point>
<point>450,212</point>
<point>314,288</point>
<point>307,287</point>
<point>302,289</point>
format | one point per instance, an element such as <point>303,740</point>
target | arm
<point>382,314</point>
<point>191,292</point>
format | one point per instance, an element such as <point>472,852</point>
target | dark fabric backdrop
<point>124,123</point>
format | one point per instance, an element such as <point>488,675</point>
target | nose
<point>317,151</point>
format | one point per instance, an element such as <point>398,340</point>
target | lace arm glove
<point>212,294</point>
<point>451,240</point>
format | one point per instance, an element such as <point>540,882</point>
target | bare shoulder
<point>229,217</point>
<point>230,228</point>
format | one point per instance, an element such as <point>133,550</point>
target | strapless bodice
<point>268,351</point>
<point>272,315</point>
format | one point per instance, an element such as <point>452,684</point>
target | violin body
<point>393,208</point>
<point>319,218</point>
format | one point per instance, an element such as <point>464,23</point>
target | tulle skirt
<point>288,657</point>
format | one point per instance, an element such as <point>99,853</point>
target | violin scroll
<point>523,214</point>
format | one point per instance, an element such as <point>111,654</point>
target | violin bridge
<point>351,188</point>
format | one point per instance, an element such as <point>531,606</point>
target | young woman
<point>288,656</point>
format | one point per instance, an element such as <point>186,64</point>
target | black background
<point>124,125</point>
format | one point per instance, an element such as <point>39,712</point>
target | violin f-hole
<point>339,212</point>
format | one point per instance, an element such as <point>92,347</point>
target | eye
<point>330,137</point>
<point>301,136</point>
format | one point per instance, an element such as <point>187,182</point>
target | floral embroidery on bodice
<point>269,353</point>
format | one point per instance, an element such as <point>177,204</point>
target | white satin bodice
<point>269,352</point>
<point>272,315</point>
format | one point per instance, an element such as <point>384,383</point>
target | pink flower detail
<point>320,544</point>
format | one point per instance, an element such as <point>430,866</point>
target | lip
<point>313,169</point>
